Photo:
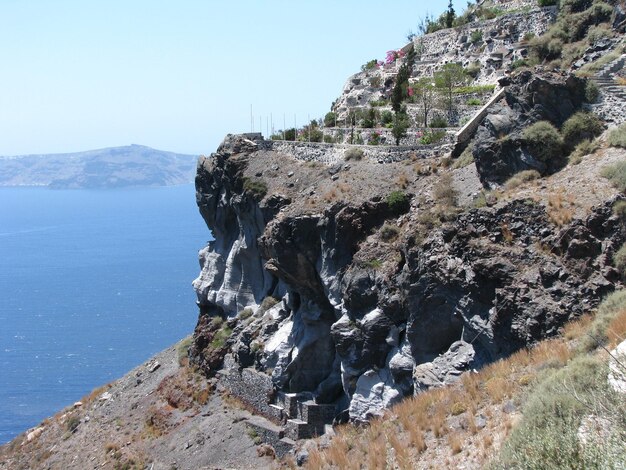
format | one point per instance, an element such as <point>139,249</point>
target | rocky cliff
<point>360,283</point>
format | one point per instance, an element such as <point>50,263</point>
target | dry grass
<point>330,195</point>
<point>455,442</point>
<point>560,208</point>
<point>403,180</point>
<point>440,425</point>
<point>616,331</point>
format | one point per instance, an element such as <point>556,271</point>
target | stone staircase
<point>298,417</point>
<point>612,106</point>
<point>605,81</point>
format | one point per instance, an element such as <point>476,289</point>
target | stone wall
<point>500,43</point>
<point>250,386</point>
<point>330,154</point>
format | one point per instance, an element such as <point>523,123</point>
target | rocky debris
<point>500,151</point>
<point>445,369</point>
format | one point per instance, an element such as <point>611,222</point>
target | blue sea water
<point>92,283</point>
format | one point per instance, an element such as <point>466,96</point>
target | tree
<point>400,89</point>
<point>450,15</point>
<point>330,120</point>
<point>426,95</point>
<point>447,79</point>
<point>400,126</point>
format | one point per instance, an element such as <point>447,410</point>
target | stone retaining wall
<point>250,386</point>
<point>330,154</point>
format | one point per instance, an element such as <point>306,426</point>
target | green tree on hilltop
<point>452,75</point>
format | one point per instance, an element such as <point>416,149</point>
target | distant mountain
<point>132,165</point>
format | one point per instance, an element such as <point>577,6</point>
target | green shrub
<point>220,337</point>
<point>246,313</point>
<point>473,69</point>
<point>256,188</point>
<point>465,159</point>
<point>398,202</point>
<point>330,119</point>
<point>182,348</point>
<point>617,137</point>
<point>438,122</point>
<point>546,3</point>
<point>386,117</point>
<point>329,139</point>
<point>476,36</point>
<point>432,137</point>
<point>544,141</point>
<point>521,177</point>
<point>473,102</point>
<point>616,174</point>
<point>547,436</point>
<point>592,92</point>
<point>619,209</point>
<point>609,309</point>
<point>267,303</point>
<point>586,147</point>
<point>389,232</point>
<point>353,154</point>
<point>519,63</point>
<point>370,65</point>
<point>72,423</point>
<point>463,90</point>
<point>619,259</point>
<point>581,126</point>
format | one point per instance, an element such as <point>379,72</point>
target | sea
<point>92,283</point>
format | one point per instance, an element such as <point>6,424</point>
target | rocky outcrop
<point>500,151</point>
<point>307,310</point>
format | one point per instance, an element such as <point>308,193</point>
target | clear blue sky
<point>179,75</point>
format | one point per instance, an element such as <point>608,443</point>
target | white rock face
<point>374,392</point>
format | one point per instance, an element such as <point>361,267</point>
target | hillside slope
<point>133,165</point>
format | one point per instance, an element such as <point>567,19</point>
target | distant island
<point>116,167</point>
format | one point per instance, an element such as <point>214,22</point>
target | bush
<point>473,102</point>
<point>386,117</point>
<point>546,3</point>
<point>353,154</point>
<point>370,65</point>
<point>547,436</point>
<point>592,92</point>
<point>616,174</point>
<point>521,177</point>
<point>256,188</point>
<point>609,309</point>
<point>398,202</point>
<point>519,63</point>
<point>581,126</point>
<point>432,137</point>
<point>544,142</point>
<point>389,232</point>
<point>465,159</point>
<point>619,209</point>
<point>330,119</point>
<point>444,192</point>
<point>438,122</point>
<point>619,259</point>
<point>586,147</point>
<point>473,69</point>
<point>617,137</point>
<point>476,36</point>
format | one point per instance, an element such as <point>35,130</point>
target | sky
<point>180,75</point>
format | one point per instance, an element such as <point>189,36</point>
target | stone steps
<point>274,435</point>
<point>299,417</point>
